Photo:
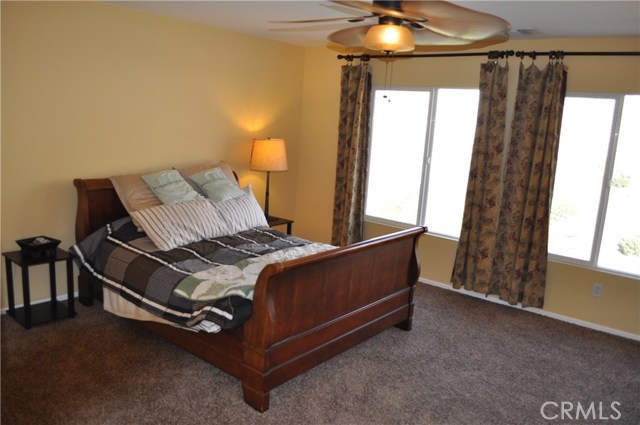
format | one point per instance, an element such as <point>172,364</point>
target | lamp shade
<point>389,38</point>
<point>269,155</point>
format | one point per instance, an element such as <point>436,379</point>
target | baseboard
<point>59,298</point>
<point>490,298</point>
<point>541,312</point>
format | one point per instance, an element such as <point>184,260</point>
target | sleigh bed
<point>304,311</point>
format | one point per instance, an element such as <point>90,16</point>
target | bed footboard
<point>308,310</point>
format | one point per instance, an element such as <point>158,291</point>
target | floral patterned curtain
<point>504,237</point>
<point>520,261</point>
<point>473,263</point>
<point>353,154</point>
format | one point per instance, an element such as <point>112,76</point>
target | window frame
<point>426,161</point>
<point>605,188</point>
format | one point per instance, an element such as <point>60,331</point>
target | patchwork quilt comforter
<point>210,280</point>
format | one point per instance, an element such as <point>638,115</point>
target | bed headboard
<point>98,204</point>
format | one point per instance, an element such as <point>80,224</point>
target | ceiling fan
<point>404,24</point>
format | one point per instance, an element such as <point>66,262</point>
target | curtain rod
<point>493,54</point>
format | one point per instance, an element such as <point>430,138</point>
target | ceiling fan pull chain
<point>388,73</point>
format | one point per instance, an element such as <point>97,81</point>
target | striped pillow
<point>170,226</point>
<point>242,213</point>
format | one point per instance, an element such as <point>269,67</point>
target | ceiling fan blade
<point>428,38</point>
<point>310,21</point>
<point>380,10</point>
<point>350,37</point>
<point>456,21</point>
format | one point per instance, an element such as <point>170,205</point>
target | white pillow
<point>170,226</point>
<point>242,213</point>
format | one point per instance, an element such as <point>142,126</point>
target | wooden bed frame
<point>305,311</point>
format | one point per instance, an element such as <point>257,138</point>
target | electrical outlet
<point>597,289</point>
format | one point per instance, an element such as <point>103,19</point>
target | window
<point>596,197</point>
<point>421,144</point>
<point>398,132</point>
<point>451,147</point>
<point>582,156</point>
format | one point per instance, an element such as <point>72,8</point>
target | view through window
<point>420,154</point>
<point>596,199</point>
<point>399,129</point>
<point>421,146</point>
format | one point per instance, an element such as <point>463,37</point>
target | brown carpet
<point>467,361</point>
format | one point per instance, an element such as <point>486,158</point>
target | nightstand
<point>278,221</point>
<point>48,311</point>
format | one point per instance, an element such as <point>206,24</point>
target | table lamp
<point>268,155</point>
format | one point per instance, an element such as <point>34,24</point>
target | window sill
<point>552,257</point>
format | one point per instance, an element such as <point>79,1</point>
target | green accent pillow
<point>170,187</point>
<point>216,185</point>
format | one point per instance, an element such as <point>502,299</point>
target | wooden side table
<point>277,221</point>
<point>30,315</point>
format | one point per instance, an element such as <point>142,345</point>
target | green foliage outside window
<point>630,246</point>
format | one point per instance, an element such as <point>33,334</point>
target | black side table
<point>277,221</point>
<point>45,312</point>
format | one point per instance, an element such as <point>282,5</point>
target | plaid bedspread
<point>212,279</point>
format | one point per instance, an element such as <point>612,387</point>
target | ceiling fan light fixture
<point>389,38</point>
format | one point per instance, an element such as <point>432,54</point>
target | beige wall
<point>92,89</point>
<point>318,145</point>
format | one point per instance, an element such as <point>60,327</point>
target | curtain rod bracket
<point>350,58</point>
<point>499,54</point>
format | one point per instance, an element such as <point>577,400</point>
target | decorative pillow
<point>170,226</point>
<point>194,169</point>
<point>170,187</point>
<point>242,213</point>
<point>216,185</point>
<point>134,193</point>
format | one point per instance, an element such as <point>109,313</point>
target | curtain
<point>473,262</point>
<point>504,237</point>
<point>353,154</point>
<point>521,252</point>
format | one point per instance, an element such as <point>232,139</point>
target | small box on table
<point>38,247</point>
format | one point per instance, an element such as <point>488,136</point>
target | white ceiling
<point>552,19</point>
